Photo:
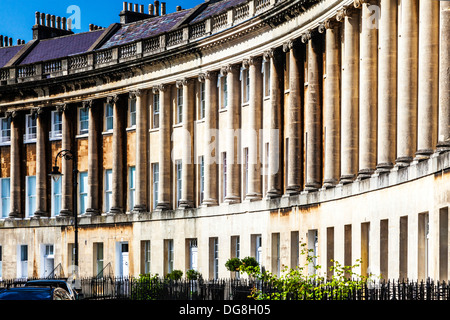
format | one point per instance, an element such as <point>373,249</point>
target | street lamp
<point>55,175</point>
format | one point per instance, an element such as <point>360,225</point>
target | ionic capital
<point>288,45</point>
<point>113,98</point>
<point>305,37</point>
<point>87,103</point>
<point>253,60</point>
<point>62,107</point>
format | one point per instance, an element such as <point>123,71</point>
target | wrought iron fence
<point>151,288</point>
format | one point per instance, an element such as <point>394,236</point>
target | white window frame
<point>108,189</point>
<point>245,85</point>
<point>132,113</point>
<point>155,111</point>
<point>179,180</point>
<point>202,102</point>
<point>83,192</point>
<point>30,128</point>
<point>265,69</point>
<point>202,179</point>
<point>147,256</point>
<point>155,175</point>
<point>179,110</point>
<point>223,91</point>
<point>7,199</point>
<point>30,198</point>
<point>56,198</point>
<point>132,187</point>
<point>55,133</point>
<point>5,135</point>
<point>80,121</point>
<point>109,117</point>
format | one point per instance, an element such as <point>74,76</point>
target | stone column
<point>368,93</point>
<point>407,82</point>
<point>294,126</point>
<point>141,152</point>
<point>444,77</point>
<point>428,82</point>
<point>233,136</point>
<point>350,95</point>
<point>313,117</point>
<point>41,164</point>
<point>275,134</point>
<point>254,127</point>
<point>332,105</point>
<point>187,163</point>
<point>66,165</point>
<point>210,139</point>
<point>164,201</point>
<point>117,158</point>
<point>15,160</point>
<point>387,85</point>
<point>93,160</point>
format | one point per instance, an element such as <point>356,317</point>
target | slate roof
<point>215,8</point>
<point>60,47</point>
<point>146,28</point>
<point>7,53</point>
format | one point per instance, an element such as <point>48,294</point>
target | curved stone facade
<point>235,128</point>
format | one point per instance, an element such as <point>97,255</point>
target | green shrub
<point>193,275</point>
<point>233,264</point>
<point>175,275</point>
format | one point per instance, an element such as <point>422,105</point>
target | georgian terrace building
<point>235,128</point>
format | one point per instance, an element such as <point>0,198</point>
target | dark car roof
<point>27,293</point>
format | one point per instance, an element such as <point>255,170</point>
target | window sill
<point>81,136</point>
<point>107,133</point>
<point>133,128</point>
<point>4,144</point>
<point>153,130</point>
<point>54,138</point>
<point>223,110</point>
<point>200,120</point>
<point>178,125</point>
<point>29,141</point>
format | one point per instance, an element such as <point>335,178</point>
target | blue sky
<point>17,17</point>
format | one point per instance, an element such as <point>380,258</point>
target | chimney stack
<point>156,8</point>
<point>134,12</point>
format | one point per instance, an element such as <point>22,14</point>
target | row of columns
<point>385,102</point>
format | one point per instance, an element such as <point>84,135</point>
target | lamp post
<point>56,174</point>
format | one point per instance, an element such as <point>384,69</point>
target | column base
<point>329,183</point>
<point>92,212</point>
<point>185,204</point>
<point>232,199</point>
<point>14,214</point>
<point>384,167</point>
<point>347,178</point>
<point>65,213</point>
<point>423,154</point>
<point>253,197</point>
<point>273,193</point>
<point>403,161</point>
<point>292,190</point>
<point>443,146</point>
<point>139,208</point>
<point>40,213</point>
<point>115,210</point>
<point>163,206</point>
<point>209,202</point>
<point>365,174</point>
<point>312,186</point>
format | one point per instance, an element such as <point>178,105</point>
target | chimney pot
<point>6,41</point>
<point>156,8</point>
<point>136,7</point>
<point>141,8</point>
<point>19,42</point>
<point>125,6</point>
<point>58,22</point>
<point>52,21</point>
<point>91,27</point>
<point>10,42</point>
<point>43,19</point>
<point>1,41</point>
<point>150,10</point>
<point>38,17</point>
<point>163,8</point>
<point>69,24</point>
<point>178,8</point>
<point>64,23</point>
<point>130,7</point>
<point>47,18</point>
